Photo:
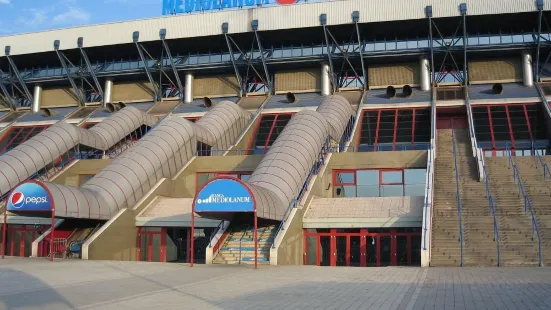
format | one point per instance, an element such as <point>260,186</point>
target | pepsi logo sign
<point>17,200</point>
<point>29,196</point>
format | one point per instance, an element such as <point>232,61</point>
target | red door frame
<point>363,234</point>
<point>11,247</point>
<point>150,234</point>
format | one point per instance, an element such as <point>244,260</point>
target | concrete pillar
<point>527,70</point>
<point>325,80</point>
<point>425,73</point>
<point>107,91</point>
<point>37,98</point>
<point>188,87</point>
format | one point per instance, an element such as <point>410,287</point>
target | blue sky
<point>18,16</point>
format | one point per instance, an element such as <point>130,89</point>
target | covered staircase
<point>238,248</point>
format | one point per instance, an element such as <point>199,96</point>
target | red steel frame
<point>34,234</point>
<point>52,208</point>
<point>253,139</point>
<point>150,235</point>
<point>526,116</point>
<point>363,234</point>
<point>379,111</point>
<point>255,220</point>
<point>381,183</point>
<point>21,128</point>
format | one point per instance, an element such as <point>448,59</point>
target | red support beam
<point>510,128</point>
<point>377,131</point>
<point>528,122</point>
<point>395,127</point>
<point>413,129</point>
<point>360,128</point>
<point>491,127</point>
<point>269,135</point>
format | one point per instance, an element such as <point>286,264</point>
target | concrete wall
<point>306,80</point>
<point>215,86</point>
<point>382,76</point>
<point>132,92</point>
<point>58,97</point>
<point>495,70</point>
<point>116,240</point>
<point>291,248</point>
<point>89,166</point>
<point>185,184</point>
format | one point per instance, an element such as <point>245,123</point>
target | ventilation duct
<point>107,92</point>
<point>497,89</point>
<point>527,72</point>
<point>390,92</point>
<point>290,97</point>
<point>425,74</point>
<point>207,102</point>
<point>37,96</point>
<point>407,91</point>
<point>47,112</point>
<point>114,107</point>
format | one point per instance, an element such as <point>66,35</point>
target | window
<point>379,183</point>
<point>514,126</point>
<point>18,135</point>
<point>452,93</point>
<point>204,177</point>
<point>394,130</point>
<point>269,128</point>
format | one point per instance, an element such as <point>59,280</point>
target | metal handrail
<point>427,194</point>
<point>492,212</point>
<point>540,161</point>
<point>527,201</point>
<point>459,204</point>
<point>314,170</point>
<point>215,232</point>
<point>240,241</point>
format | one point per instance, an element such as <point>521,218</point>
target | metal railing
<point>527,201</point>
<point>428,193</point>
<point>540,161</point>
<point>459,204</point>
<point>492,212</point>
<point>313,171</point>
<point>241,241</point>
<point>216,230</point>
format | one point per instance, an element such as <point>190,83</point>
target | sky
<point>19,16</point>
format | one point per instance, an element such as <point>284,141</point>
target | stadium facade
<point>336,133</point>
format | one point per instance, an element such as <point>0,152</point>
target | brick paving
<point>38,284</point>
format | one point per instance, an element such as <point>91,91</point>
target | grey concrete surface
<point>39,284</point>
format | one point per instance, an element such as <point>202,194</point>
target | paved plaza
<point>39,284</point>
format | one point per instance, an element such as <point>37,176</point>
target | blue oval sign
<point>29,196</point>
<point>224,195</point>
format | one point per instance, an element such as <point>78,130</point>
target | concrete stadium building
<point>334,133</point>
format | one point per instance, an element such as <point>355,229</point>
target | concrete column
<point>37,98</point>
<point>188,87</point>
<point>107,91</point>
<point>527,70</point>
<point>425,73</point>
<point>325,80</point>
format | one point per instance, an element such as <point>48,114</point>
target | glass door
<point>341,251</point>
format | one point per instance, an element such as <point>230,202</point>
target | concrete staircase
<point>445,243</point>
<point>518,247</point>
<point>239,246</point>
<point>480,247</point>
<point>538,189</point>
